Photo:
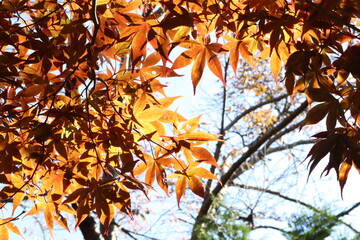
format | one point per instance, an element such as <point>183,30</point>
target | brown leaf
<point>316,114</point>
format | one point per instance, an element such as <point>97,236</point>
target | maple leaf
<point>5,226</point>
<point>200,55</point>
<point>191,177</point>
<point>76,100</point>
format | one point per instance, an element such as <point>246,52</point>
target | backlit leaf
<point>275,64</point>
<point>204,155</point>
<point>4,233</point>
<point>180,188</point>
<point>203,173</point>
<point>343,174</point>
<point>198,136</point>
<point>151,114</point>
<point>196,186</point>
<point>100,2</point>
<point>198,68</point>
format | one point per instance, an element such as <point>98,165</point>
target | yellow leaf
<point>343,174</point>
<point>62,222</point>
<point>275,64</point>
<point>171,116</point>
<point>139,169</point>
<point>186,58</point>
<point>139,41</point>
<point>101,2</point>
<point>140,103</point>
<point>172,163</point>
<point>108,14</point>
<point>160,129</point>
<point>4,233</point>
<point>83,210</point>
<point>48,215</point>
<point>11,226</point>
<point>36,209</point>
<point>150,174</point>
<point>182,32</point>
<point>150,114</point>
<point>167,101</point>
<point>198,136</point>
<point>214,64</point>
<point>190,125</point>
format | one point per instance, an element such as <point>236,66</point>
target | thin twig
<point>13,219</point>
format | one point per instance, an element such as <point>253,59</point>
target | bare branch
<point>256,157</point>
<point>224,129</point>
<point>279,195</point>
<point>346,212</point>
<point>304,204</point>
<point>252,149</point>
<point>253,108</point>
<point>13,219</point>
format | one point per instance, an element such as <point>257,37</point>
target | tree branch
<point>271,227</point>
<point>277,194</point>
<point>208,200</point>
<point>253,108</point>
<point>305,204</point>
<point>224,129</point>
<point>256,157</point>
<point>346,212</point>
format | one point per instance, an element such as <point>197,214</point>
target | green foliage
<point>310,226</point>
<point>223,223</point>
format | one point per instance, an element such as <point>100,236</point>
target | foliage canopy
<point>83,111</point>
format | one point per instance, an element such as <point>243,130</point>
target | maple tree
<point>266,186</point>
<point>83,110</point>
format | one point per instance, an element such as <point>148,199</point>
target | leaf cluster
<point>82,106</point>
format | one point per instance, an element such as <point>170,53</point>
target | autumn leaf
<point>150,114</point>
<point>5,226</point>
<point>196,186</point>
<point>197,136</point>
<point>100,2</point>
<point>204,155</point>
<point>77,98</point>
<point>275,64</point>
<point>180,188</point>
<point>191,177</point>
<point>154,170</point>
<point>343,173</point>
<point>316,114</point>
